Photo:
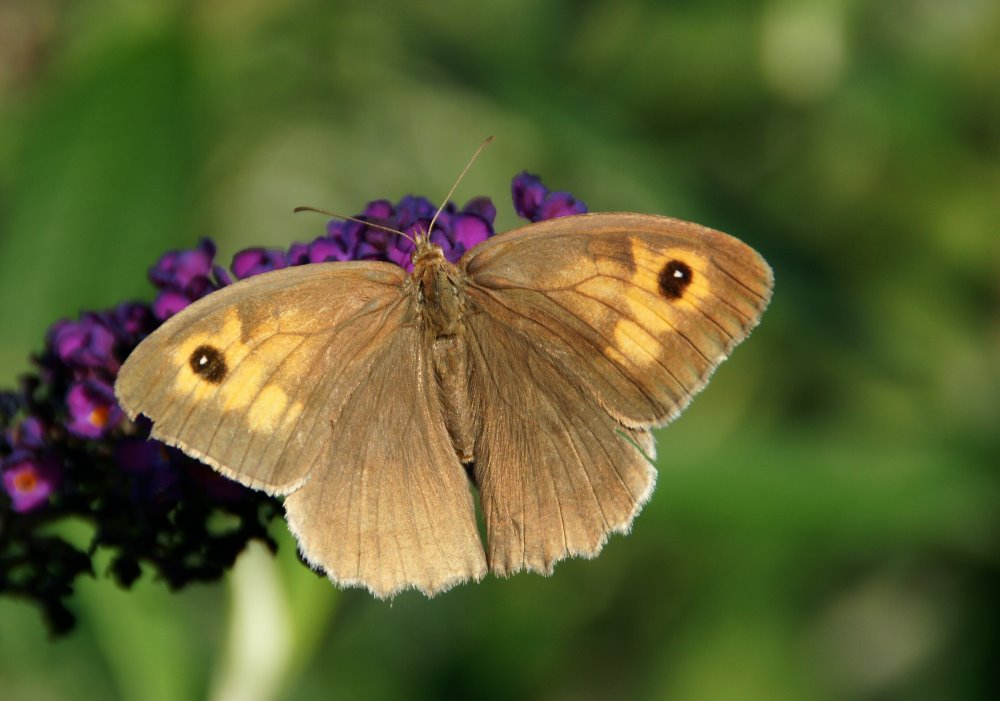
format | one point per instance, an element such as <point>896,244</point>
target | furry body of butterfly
<point>537,366</point>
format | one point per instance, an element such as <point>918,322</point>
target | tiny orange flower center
<point>25,481</point>
<point>99,416</point>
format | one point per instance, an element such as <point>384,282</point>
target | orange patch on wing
<point>267,408</point>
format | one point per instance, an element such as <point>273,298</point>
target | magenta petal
<point>180,268</point>
<point>86,342</point>
<point>298,254</point>
<point>222,276</point>
<point>168,303</point>
<point>29,480</point>
<point>254,261</point>
<point>440,238</point>
<point>400,258</point>
<point>379,209</point>
<point>470,230</point>
<point>132,321</point>
<point>93,410</point>
<point>28,434</point>
<point>528,194</point>
<point>412,209</point>
<point>328,249</point>
<point>560,204</point>
<point>483,208</point>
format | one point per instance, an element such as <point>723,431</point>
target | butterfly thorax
<point>440,293</point>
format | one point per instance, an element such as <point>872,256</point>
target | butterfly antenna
<point>486,142</point>
<point>355,219</point>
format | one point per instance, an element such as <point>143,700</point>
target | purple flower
<point>130,322</point>
<point>168,303</point>
<point>180,269</point>
<point>93,410</point>
<point>152,462</point>
<point>534,201</point>
<point>253,261</point>
<point>182,277</point>
<point>377,209</point>
<point>454,231</point>
<point>171,299</point>
<point>29,479</point>
<point>467,231</point>
<point>483,208</point>
<point>85,343</point>
<point>141,456</point>
<point>322,250</point>
<point>29,434</point>
<point>401,252</point>
<point>412,210</point>
<point>222,276</point>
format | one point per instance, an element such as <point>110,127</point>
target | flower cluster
<point>67,449</point>
<point>535,202</point>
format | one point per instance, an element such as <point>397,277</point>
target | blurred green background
<point>826,521</point>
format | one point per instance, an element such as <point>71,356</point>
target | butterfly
<point>382,404</point>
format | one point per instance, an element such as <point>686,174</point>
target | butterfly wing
<point>246,378</point>
<point>619,320</point>
<point>643,307</point>
<point>395,508</point>
<point>554,475</point>
<point>302,381</point>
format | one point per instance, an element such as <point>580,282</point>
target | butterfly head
<point>439,288</point>
<point>427,255</point>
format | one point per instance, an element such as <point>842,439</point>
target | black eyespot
<point>675,278</point>
<point>209,364</point>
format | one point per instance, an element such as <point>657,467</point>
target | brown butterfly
<point>374,399</point>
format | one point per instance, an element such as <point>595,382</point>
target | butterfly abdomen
<point>449,355</point>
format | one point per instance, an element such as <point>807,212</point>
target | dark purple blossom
<point>377,209</point>
<point>10,404</point>
<point>153,463</point>
<point>93,410</point>
<point>222,276</point>
<point>169,302</point>
<point>84,343</point>
<point>467,231</point>
<point>131,322</point>
<point>184,276</point>
<point>181,269</point>
<point>535,202</point>
<point>29,479</point>
<point>456,231</point>
<point>483,208</point>
<point>29,434</point>
<point>321,250</point>
<point>254,261</point>
<point>411,210</point>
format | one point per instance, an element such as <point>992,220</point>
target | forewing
<point>393,508</point>
<point>247,378</point>
<point>641,309</point>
